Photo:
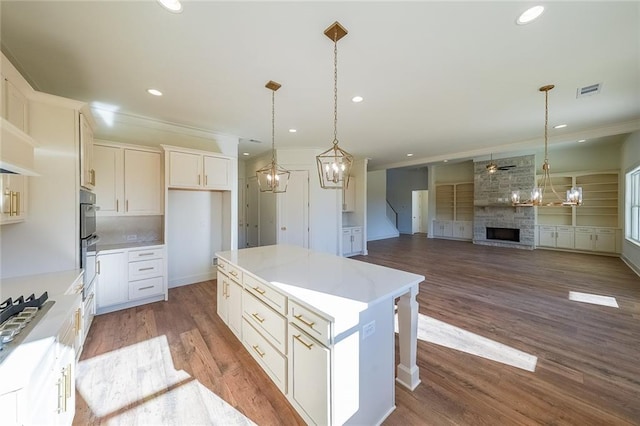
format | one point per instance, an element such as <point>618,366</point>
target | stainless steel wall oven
<point>88,238</point>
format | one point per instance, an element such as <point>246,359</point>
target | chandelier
<point>335,163</point>
<point>573,195</point>
<point>272,177</point>
<point>492,167</point>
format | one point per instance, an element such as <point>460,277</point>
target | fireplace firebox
<point>503,234</point>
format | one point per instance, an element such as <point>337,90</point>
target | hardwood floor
<point>587,370</point>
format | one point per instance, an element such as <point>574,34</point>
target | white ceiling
<point>439,79</point>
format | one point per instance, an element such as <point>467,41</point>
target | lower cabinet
<point>442,228</point>
<point>352,242</point>
<point>583,238</point>
<point>459,229</point>
<point>130,277</point>
<point>229,298</point>
<point>463,229</point>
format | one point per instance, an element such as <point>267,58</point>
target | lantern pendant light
<point>272,177</point>
<point>334,165</point>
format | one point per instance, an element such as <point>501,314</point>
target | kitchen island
<point>322,327</point>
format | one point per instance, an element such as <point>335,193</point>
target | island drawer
<point>310,322</point>
<point>145,269</point>
<point>266,293</point>
<point>273,362</point>
<point>230,270</point>
<point>148,254</point>
<point>268,322</point>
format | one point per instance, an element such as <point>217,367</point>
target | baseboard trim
<point>191,279</point>
<point>631,265</point>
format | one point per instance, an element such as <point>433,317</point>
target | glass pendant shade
<point>334,166</point>
<point>273,178</point>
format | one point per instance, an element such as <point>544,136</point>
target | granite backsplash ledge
<point>130,229</point>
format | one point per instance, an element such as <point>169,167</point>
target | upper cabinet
<point>128,180</point>
<point>15,107</point>
<point>190,169</point>
<point>87,171</point>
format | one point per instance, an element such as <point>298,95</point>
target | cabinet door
<point>222,291</point>
<point>112,286</point>
<point>346,241</point>
<point>185,170</point>
<point>447,228</point>
<point>87,172</point>
<point>564,237</point>
<point>349,196</point>
<point>216,172</point>
<point>13,199</point>
<point>16,106</point>
<point>356,240</point>
<point>234,307</point>
<point>583,239</point>
<point>108,169</point>
<point>142,182</point>
<point>309,374</point>
<point>547,236</point>
<point>605,240</point>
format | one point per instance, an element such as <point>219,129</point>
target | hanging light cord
<point>273,126</point>
<point>546,178</point>
<point>335,88</point>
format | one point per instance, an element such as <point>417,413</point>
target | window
<point>632,205</point>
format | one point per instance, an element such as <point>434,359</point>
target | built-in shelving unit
<point>454,211</point>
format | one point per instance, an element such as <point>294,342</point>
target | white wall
<point>630,158</point>
<point>194,234</point>
<point>378,225</point>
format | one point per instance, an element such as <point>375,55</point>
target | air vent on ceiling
<point>593,89</point>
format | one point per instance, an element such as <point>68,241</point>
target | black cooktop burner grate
<point>11,307</point>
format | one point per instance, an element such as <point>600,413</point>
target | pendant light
<point>573,196</point>
<point>334,165</point>
<point>492,167</point>
<point>272,177</point>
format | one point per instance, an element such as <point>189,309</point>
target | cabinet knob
<point>284,228</point>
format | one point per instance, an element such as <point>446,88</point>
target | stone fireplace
<point>495,221</point>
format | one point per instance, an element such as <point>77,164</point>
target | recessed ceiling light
<point>582,140</point>
<point>245,153</point>
<point>530,15</point>
<point>409,155</point>
<point>357,99</point>
<point>560,126</point>
<point>154,92</point>
<point>292,130</point>
<point>171,5</point>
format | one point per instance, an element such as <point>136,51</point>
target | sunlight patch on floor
<point>138,384</point>
<point>594,299</point>
<point>433,331</point>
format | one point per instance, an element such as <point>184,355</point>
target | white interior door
<point>252,213</point>
<point>293,211</point>
<point>416,211</point>
<point>242,203</point>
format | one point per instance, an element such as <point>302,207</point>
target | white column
<point>408,373</point>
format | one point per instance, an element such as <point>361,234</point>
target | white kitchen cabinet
<point>352,242</point>
<point>112,287</point>
<point>13,201</point>
<point>462,229</point>
<point>310,376</point>
<point>595,239</point>
<point>15,106</point>
<point>129,180</point>
<point>229,297</point>
<point>130,277</point>
<point>192,169</point>
<point>349,196</point>
<point>87,171</point>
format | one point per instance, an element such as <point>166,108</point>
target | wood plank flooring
<point>587,371</point>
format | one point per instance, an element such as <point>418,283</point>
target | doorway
<point>293,211</point>
<point>419,211</point>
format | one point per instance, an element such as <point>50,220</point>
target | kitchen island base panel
<point>408,374</point>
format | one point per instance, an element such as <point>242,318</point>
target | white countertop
<point>336,286</point>
<point>24,359</point>
<point>122,246</point>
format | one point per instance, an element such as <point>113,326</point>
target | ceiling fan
<point>492,167</point>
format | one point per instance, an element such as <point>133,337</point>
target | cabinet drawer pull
<point>259,290</point>
<point>117,205</point>
<point>145,288</point>
<point>198,179</point>
<point>206,180</point>
<point>145,254</point>
<point>221,265</point>
<point>257,349</point>
<point>257,317</point>
<point>126,205</point>
<point>146,269</point>
<point>307,345</point>
<point>67,382</point>
<point>299,317</point>
<point>78,320</point>
<point>234,273</point>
